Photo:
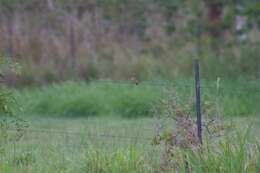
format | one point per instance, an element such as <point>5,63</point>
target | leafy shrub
<point>8,120</point>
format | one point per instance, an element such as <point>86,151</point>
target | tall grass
<point>231,154</point>
<point>91,160</point>
<point>234,98</point>
<point>90,99</point>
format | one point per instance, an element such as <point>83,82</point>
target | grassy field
<point>105,127</point>
<point>82,145</point>
<point>76,145</point>
<point>234,98</point>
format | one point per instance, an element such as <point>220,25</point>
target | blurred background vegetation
<point>57,40</point>
<point>112,73</point>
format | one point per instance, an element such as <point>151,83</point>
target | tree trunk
<point>9,38</point>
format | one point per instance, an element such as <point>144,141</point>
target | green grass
<point>90,145</point>
<point>233,98</point>
<point>107,128</point>
<point>87,151</point>
<point>237,98</point>
<point>233,153</point>
<point>89,99</point>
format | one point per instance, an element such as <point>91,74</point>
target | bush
<point>224,148</point>
<point>8,120</point>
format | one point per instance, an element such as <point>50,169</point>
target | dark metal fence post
<point>198,103</point>
<point>72,44</point>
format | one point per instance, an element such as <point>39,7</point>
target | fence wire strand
<point>87,134</point>
<point>188,84</point>
<point>139,138</point>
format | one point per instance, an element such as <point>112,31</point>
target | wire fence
<point>84,134</point>
<point>65,139</point>
<point>185,84</point>
<point>63,145</point>
<point>71,143</point>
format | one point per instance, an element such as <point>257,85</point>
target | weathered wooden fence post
<point>198,99</point>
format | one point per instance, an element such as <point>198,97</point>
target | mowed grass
<point>232,98</point>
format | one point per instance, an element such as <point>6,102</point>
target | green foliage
<point>8,120</point>
<point>10,6</point>
<point>224,148</point>
<point>235,98</point>
<point>6,99</point>
<point>120,161</point>
<point>253,11</point>
<point>64,152</point>
<point>89,99</point>
<point>149,38</point>
<point>234,153</point>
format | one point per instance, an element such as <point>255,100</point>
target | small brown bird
<point>134,80</point>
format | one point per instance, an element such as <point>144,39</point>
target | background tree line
<point>56,40</point>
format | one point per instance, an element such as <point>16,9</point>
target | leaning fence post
<point>198,101</point>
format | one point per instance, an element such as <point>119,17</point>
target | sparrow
<point>134,80</point>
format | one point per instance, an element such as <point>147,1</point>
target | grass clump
<point>128,161</point>
<point>222,148</point>
<point>230,154</point>
<point>81,99</point>
<point>231,98</point>
<point>236,153</point>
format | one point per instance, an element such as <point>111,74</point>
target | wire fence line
<point>119,83</point>
<point>87,134</point>
<point>137,138</point>
<point>188,84</point>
